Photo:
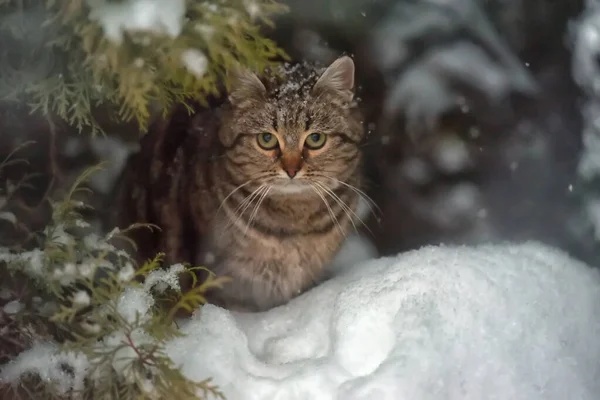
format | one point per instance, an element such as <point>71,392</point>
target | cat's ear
<point>339,77</point>
<point>245,85</point>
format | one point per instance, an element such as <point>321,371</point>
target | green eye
<point>315,141</point>
<point>267,140</point>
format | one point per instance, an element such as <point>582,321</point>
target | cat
<point>262,189</point>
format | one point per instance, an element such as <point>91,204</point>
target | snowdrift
<point>489,322</point>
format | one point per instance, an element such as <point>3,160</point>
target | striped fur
<point>224,202</point>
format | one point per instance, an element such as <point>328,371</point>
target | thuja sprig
<point>106,333</point>
<point>63,62</point>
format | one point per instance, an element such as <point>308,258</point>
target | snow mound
<point>488,322</point>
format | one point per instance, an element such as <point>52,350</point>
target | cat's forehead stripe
<point>289,93</point>
<point>293,82</point>
<point>291,121</point>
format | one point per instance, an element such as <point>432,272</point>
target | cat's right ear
<point>245,86</point>
<point>339,78</point>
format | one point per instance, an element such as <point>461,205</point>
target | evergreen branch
<point>86,280</point>
<point>73,66</point>
<point>196,296</point>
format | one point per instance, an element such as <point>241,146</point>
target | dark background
<point>475,121</point>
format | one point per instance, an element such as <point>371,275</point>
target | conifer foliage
<point>78,318</point>
<point>134,57</point>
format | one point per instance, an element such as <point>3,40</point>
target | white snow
<point>356,248</point>
<point>45,360</point>
<point>126,355</point>
<point>451,154</point>
<point>135,302</point>
<point>206,30</point>
<point>161,279</point>
<point>433,75</point>
<point>68,273</point>
<point>252,8</point>
<point>114,153</point>
<point>195,61</point>
<point>81,223</point>
<point>488,322</point>
<point>34,260</point>
<point>126,273</point>
<point>8,216</point>
<point>593,212</point>
<point>138,300</point>
<point>586,72</point>
<point>13,307</point>
<point>162,16</point>
<point>513,321</point>
<point>81,299</point>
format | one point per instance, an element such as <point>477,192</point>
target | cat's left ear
<point>338,77</point>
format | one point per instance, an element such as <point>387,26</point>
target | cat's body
<point>263,190</point>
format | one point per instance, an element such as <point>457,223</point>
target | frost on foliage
<point>161,279</point>
<point>45,360</point>
<point>135,302</point>
<point>81,299</point>
<point>13,307</point>
<point>427,87</point>
<point>253,8</point>
<point>161,16</point>
<point>32,260</point>
<point>112,329</point>
<point>118,341</point>
<point>195,61</point>
<point>468,323</point>
<point>586,72</point>
<point>125,356</point>
<point>126,273</point>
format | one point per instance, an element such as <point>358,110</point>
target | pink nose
<point>291,163</point>
<point>291,171</point>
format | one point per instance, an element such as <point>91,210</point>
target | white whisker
<point>370,202</point>
<point>331,213</point>
<point>256,208</point>
<point>231,193</point>
<point>243,206</point>
<point>344,206</point>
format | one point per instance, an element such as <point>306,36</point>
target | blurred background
<point>479,119</point>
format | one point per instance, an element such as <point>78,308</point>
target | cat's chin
<point>291,187</point>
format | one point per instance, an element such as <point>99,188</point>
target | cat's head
<point>294,131</point>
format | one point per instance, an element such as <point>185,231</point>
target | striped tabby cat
<point>262,189</point>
